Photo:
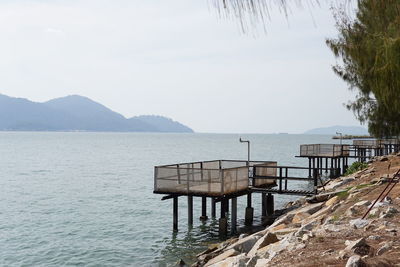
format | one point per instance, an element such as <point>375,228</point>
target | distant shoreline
<point>352,137</point>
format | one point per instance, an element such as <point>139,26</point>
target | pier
<point>222,182</point>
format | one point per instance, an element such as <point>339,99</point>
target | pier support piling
<point>213,208</point>
<point>234,215</point>
<point>203,216</point>
<point>190,210</point>
<point>263,205</point>
<point>270,204</point>
<point>175,213</point>
<point>223,223</point>
<point>249,213</point>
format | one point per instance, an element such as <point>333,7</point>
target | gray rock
<point>374,237</point>
<point>374,212</point>
<point>332,228</point>
<point>359,246</point>
<point>265,240</point>
<point>391,210</point>
<point>227,254</point>
<point>252,261</point>
<point>262,262</point>
<point>327,252</point>
<point>351,212</point>
<point>245,244</point>
<point>243,236</point>
<point>355,261</point>
<point>343,255</point>
<point>354,244</point>
<point>310,209</point>
<point>359,223</point>
<point>362,203</point>
<point>384,248</point>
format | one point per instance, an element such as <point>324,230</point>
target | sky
<point>176,58</point>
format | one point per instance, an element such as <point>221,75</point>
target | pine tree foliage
<point>369,48</point>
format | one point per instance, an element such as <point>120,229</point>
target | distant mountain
<point>162,124</point>
<point>349,130</point>
<point>76,113</point>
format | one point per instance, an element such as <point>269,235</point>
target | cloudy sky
<point>175,58</point>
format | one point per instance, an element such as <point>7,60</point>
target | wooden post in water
<point>223,223</point>
<point>270,204</point>
<point>234,215</point>
<point>263,205</point>
<point>203,209</point>
<point>213,208</point>
<point>249,213</point>
<point>190,210</point>
<point>175,213</point>
<point>315,177</point>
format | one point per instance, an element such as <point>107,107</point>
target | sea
<point>86,199</point>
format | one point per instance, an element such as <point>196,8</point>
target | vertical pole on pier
<point>203,209</point>
<point>223,224</point>
<point>270,204</point>
<point>332,175</point>
<point>309,167</point>
<point>190,210</point>
<point>175,213</point>
<point>234,215</point>
<point>263,205</point>
<point>213,208</point>
<point>248,219</point>
<point>318,164</point>
<point>339,167</point>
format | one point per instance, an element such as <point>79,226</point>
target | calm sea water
<point>85,199</point>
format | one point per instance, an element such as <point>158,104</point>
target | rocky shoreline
<point>327,229</point>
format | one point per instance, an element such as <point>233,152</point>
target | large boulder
<point>355,261</point>
<point>244,245</point>
<point>359,247</point>
<point>359,223</point>
<point>221,257</point>
<point>267,239</point>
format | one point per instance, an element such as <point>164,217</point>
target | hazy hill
<point>76,113</point>
<point>162,124</point>
<point>350,130</point>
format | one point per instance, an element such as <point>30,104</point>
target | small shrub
<point>343,195</point>
<point>355,167</point>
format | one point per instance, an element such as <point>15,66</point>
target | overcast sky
<point>175,58</point>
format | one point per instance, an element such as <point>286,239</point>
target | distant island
<point>345,130</point>
<point>76,113</point>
